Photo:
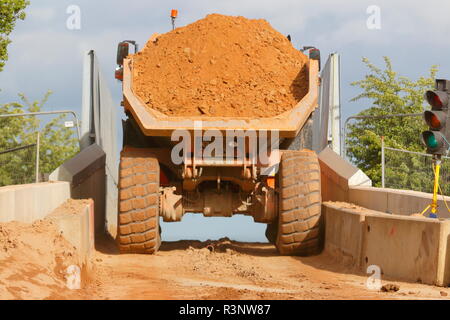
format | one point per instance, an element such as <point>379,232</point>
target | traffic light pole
<point>434,204</point>
<point>437,136</point>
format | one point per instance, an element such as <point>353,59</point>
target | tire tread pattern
<point>138,216</point>
<point>299,203</point>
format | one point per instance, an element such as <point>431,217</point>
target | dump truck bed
<point>155,123</point>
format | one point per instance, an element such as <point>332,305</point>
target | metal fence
<point>19,164</point>
<point>375,118</point>
<point>403,169</point>
<point>30,147</point>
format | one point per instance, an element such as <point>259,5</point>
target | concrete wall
<point>405,248</point>
<point>401,202</point>
<point>112,195</point>
<point>383,234</point>
<point>337,175</point>
<point>445,249</point>
<point>343,235</point>
<point>78,229</point>
<point>86,174</point>
<point>93,188</point>
<point>28,203</point>
<point>341,181</point>
<point>32,202</point>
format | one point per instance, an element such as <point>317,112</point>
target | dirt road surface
<point>232,270</point>
<point>34,259</point>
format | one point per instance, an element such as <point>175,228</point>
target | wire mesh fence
<point>32,145</point>
<point>18,163</point>
<point>410,170</point>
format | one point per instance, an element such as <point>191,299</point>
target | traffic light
<point>437,137</point>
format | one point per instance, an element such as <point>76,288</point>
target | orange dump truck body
<point>155,123</point>
<point>153,185</point>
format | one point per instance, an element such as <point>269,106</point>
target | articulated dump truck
<point>167,169</point>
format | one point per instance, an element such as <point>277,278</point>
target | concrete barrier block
<point>413,249</point>
<point>87,177</point>
<point>337,175</point>
<point>25,204</point>
<point>343,234</point>
<point>80,167</point>
<point>7,204</point>
<point>405,248</point>
<point>407,202</point>
<point>444,253</point>
<point>58,193</point>
<point>94,188</point>
<point>28,203</point>
<point>400,202</point>
<point>370,198</point>
<point>77,226</point>
<point>445,240</point>
<point>404,204</point>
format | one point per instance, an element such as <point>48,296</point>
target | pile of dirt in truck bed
<point>221,66</point>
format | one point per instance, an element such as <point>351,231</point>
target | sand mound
<point>34,259</point>
<point>221,66</point>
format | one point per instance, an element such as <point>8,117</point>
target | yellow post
<point>434,204</point>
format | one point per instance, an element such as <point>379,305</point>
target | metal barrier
<point>29,151</point>
<point>366,117</point>
<point>19,165</point>
<point>403,169</point>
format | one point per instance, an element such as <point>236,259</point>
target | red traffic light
<point>435,119</point>
<point>437,99</point>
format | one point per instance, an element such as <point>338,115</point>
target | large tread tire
<point>138,217</point>
<point>299,220</point>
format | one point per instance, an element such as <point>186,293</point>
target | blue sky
<point>45,54</point>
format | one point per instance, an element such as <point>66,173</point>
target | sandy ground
<point>232,270</point>
<point>34,259</point>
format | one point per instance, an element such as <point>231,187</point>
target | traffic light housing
<point>437,137</point>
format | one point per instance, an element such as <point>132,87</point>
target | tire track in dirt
<point>227,269</point>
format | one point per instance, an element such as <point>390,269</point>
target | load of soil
<point>221,66</point>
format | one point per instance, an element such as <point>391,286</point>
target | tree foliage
<point>57,143</point>
<point>390,93</point>
<point>10,12</point>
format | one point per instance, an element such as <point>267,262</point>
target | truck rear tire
<point>138,216</point>
<point>299,218</point>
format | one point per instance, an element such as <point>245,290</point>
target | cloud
<point>41,14</point>
<point>45,54</point>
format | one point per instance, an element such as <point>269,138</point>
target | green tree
<point>10,11</point>
<point>390,93</point>
<point>57,143</point>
